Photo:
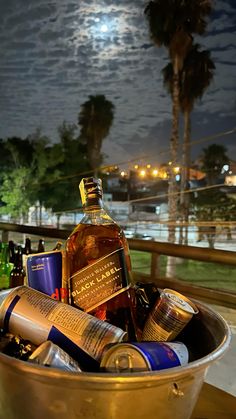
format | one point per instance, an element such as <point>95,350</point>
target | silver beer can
<point>37,317</point>
<point>143,356</point>
<point>168,317</point>
<point>50,355</point>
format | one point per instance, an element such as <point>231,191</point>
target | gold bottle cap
<point>90,186</point>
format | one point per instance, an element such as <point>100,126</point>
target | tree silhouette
<point>95,119</point>
<point>194,78</point>
<point>172,24</point>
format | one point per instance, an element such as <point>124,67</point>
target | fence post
<point>155,266</point>
<point>5,236</point>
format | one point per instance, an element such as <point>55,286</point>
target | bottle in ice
<point>99,263</point>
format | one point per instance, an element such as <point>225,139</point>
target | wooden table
<point>214,403</point>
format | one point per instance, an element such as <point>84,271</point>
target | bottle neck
<point>95,213</point>
<point>27,249</point>
<point>93,203</point>
<point>4,255</point>
<point>18,259</point>
<point>41,247</point>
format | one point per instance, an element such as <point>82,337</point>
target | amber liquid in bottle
<point>98,236</point>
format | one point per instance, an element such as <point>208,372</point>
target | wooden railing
<point>54,233</point>
<point>221,297</point>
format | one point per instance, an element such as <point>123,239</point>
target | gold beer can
<point>169,316</point>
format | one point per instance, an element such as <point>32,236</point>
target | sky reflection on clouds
<point>54,54</point>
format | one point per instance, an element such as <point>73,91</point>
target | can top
<point>179,300</point>
<point>124,357</point>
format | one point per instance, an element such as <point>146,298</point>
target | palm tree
<point>194,78</point>
<point>213,159</point>
<point>171,24</point>
<point>95,120</point>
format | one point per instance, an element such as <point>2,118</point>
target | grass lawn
<point>210,275</point>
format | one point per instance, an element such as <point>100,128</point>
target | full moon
<point>104,28</point>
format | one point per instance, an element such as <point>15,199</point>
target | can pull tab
<point>176,392</point>
<point>123,362</point>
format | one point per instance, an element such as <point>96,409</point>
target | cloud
<point>54,55</point>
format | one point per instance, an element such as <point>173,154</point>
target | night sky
<point>54,54</point>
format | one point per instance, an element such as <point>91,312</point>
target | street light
<point>142,173</point>
<point>155,173</point>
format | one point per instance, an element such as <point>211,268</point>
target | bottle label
<point>100,281</point>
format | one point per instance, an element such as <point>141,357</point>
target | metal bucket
<point>33,392</point>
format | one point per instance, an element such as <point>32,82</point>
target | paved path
<point>222,373</point>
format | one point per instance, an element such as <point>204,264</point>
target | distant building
<point>230,177</point>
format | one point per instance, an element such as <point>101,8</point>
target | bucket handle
<point>176,391</point>
<point>177,388</point>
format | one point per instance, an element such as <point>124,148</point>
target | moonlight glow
<point>104,28</point>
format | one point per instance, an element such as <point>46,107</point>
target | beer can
<point>50,355</point>
<point>37,317</point>
<point>143,356</point>
<point>168,317</point>
<point>4,294</point>
<point>46,272</point>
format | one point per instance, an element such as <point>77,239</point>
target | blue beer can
<point>143,356</point>
<point>46,272</point>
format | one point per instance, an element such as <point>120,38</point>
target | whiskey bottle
<point>99,263</point>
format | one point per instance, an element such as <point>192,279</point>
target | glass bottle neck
<point>18,262</point>
<point>4,255</point>
<point>95,213</point>
<point>93,204</point>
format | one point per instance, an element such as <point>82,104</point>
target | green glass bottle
<point>5,267</point>
<point>17,274</point>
